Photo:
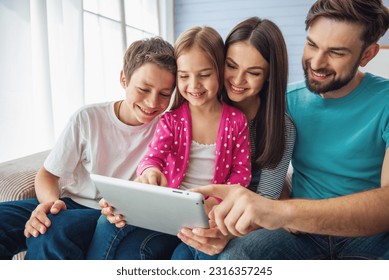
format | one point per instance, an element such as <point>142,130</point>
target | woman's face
<point>245,73</point>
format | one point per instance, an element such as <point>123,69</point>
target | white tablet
<point>153,207</point>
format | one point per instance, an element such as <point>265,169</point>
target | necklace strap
<point>118,112</point>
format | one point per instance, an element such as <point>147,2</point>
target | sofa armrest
<point>17,176</point>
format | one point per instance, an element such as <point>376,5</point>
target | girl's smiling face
<point>197,79</point>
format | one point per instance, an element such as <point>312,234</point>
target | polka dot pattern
<point>170,147</point>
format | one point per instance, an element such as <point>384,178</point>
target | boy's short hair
<point>150,50</point>
<point>371,14</point>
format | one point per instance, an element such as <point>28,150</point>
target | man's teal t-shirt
<point>341,143</point>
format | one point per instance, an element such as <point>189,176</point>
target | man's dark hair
<point>373,15</point>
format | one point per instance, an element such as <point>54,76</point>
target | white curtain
<point>42,72</point>
<point>58,55</point>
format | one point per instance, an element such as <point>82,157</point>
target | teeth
<point>196,94</point>
<point>146,111</point>
<point>318,74</point>
<point>237,88</point>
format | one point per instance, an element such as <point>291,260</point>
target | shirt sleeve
<point>159,148</point>
<point>69,149</point>
<point>241,163</point>
<point>385,135</point>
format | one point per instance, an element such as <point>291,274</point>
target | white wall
<point>379,65</point>
<point>223,15</point>
<point>288,15</point>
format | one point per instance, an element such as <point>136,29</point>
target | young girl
<point>200,141</point>
<point>200,130</point>
<point>255,80</point>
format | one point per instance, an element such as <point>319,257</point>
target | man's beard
<point>322,88</point>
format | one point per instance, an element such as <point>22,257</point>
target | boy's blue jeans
<point>281,245</point>
<point>129,243</point>
<point>68,236</point>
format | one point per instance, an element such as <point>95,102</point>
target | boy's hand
<point>152,176</point>
<point>108,211</point>
<point>39,222</point>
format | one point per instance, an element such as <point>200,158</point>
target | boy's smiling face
<point>148,94</point>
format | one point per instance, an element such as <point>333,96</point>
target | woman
<point>255,80</point>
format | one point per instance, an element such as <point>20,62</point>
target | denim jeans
<point>68,236</point>
<point>129,243</point>
<point>185,252</point>
<point>282,245</point>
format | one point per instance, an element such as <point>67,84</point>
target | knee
<point>105,228</point>
<point>69,225</point>
<point>56,230</point>
<point>233,252</point>
<point>59,227</point>
<point>255,245</point>
<point>182,252</point>
<point>102,223</point>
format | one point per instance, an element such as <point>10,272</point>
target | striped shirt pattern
<point>271,181</point>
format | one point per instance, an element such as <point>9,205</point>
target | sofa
<point>17,179</point>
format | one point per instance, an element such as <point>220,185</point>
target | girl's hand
<point>152,176</point>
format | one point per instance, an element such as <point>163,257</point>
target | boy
<point>107,139</point>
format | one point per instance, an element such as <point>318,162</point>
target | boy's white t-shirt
<point>95,141</point>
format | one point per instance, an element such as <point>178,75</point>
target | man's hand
<point>209,204</point>
<point>39,222</point>
<point>241,210</point>
<point>108,211</point>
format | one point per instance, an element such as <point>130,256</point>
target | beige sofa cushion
<point>18,186</point>
<point>17,180</point>
<point>17,176</point>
